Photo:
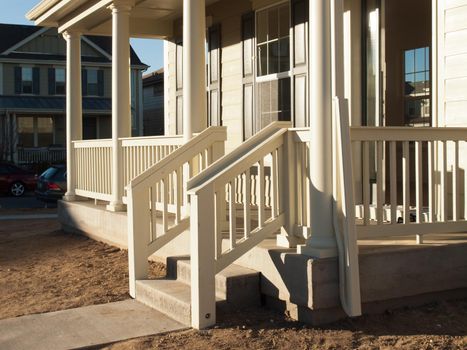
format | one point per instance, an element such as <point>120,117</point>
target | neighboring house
<point>33,89</point>
<point>153,103</point>
<point>259,166</point>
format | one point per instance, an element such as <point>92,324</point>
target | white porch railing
<point>248,226</point>
<point>93,159</point>
<point>93,168</point>
<point>157,198</point>
<point>37,155</point>
<point>140,153</point>
<point>417,184</point>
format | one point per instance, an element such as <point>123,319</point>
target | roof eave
<point>40,9</point>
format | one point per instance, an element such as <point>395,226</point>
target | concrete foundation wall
<point>101,225</point>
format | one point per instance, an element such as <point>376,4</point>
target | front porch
<point>293,203</point>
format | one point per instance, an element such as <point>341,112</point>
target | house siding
<point>228,15</point>
<point>452,78</point>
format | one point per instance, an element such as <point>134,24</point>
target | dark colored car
<point>51,185</point>
<point>15,180</point>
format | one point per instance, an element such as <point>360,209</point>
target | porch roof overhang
<point>52,104</point>
<point>148,19</point>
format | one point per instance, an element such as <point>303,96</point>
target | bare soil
<point>44,269</point>
<point>436,326</point>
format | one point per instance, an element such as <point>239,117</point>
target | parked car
<point>51,185</point>
<point>15,180</point>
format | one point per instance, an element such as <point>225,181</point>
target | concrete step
<point>170,297</point>
<point>236,285</point>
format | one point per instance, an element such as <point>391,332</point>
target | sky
<point>149,51</point>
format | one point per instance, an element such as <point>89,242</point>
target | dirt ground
<point>43,269</point>
<point>437,326</point>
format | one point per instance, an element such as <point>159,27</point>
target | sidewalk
<point>84,327</point>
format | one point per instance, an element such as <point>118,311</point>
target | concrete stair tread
<point>231,271</point>
<point>170,297</point>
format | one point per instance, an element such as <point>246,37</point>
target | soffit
<point>149,18</point>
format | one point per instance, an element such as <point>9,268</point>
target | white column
<point>322,242</point>
<point>74,114</point>
<point>121,95</point>
<point>194,66</point>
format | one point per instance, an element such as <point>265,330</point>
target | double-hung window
<point>273,65</point>
<point>59,81</point>
<point>93,82</point>
<point>26,80</point>
<point>417,92</point>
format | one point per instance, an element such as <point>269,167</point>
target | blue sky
<point>150,51</point>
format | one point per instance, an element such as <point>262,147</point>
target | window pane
<point>59,75</point>
<point>262,59</point>
<point>60,132</point>
<point>93,89</point>
<point>60,88</point>
<point>284,93</point>
<point>409,61</point>
<point>273,57</point>
<point>26,131</point>
<point>284,55</point>
<point>274,101</point>
<point>420,77</point>
<point>27,87</point>
<point>92,76</point>
<point>273,24</point>
<point>427,58</point>
<point>44,132</point>
<point>89,128</point>
<point>284,21</point>
<point>262,26</point>
<point>26,74</point>
<point>420,60</point>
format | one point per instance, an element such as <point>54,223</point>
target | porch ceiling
<point>149,18</point>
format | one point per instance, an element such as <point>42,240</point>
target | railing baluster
<point>261,179</point>
<point>406,181</point>
<point>178,195</point>
<point>232,216</point>
<point>393,180</point>
<point>299,180</point>
<point>431,181</point>
<point>246,204</point>
<point>419,186</point>
<point>152,222</point>
<point>455,183</point>
<point>379,183</point>
<point>443,183</point>
<point>366,182</point>
<point>274,185</point>
<point>165,212</point>
<point>419,180</point>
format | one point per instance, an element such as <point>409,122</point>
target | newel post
<point>288,193</point>
<point>138,228</point>
<point>74,114</point>
<point>203,268</point>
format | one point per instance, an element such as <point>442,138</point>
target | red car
<point>16,181</point>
